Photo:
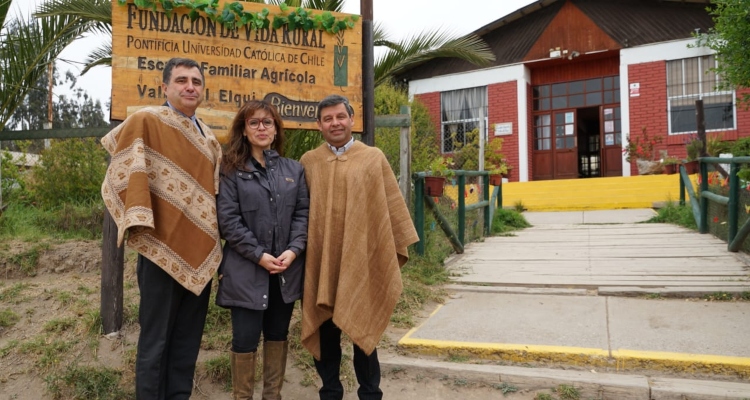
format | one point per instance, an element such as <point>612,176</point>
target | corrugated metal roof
<point>639,22</point>
<point>629,22</point>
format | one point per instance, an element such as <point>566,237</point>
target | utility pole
<point>368,74</point>
<point>51,80</point>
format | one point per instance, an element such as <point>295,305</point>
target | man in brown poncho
<point>160,188</point>
<point>358,235</point>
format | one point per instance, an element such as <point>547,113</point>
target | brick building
<point>573,78</point>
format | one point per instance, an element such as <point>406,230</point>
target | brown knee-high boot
<point>243,375</point>
<point>274,367</point>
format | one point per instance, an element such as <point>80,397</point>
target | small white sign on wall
<point>503,128</point>
<point>635,89</point>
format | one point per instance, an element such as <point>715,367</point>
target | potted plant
<point>438,169</point>
<point>641,149</point>
<point>670,164</point>
<point>494,162</point>
<point>694,146</point>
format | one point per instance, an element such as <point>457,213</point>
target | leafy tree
<point>27,48</point>
<point>730,38</point>
<point>388,100</point>
<point>77,110</point>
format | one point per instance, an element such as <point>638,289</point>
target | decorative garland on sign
<point>234,16</point>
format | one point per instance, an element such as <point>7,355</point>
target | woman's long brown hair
<point>239,150</point>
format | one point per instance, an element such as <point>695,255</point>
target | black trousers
<point>367,368</point>
<point>274,321</point>
<point>172,320</point>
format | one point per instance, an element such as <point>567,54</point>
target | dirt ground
<point>55,313</point>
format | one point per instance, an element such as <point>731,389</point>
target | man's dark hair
<point>334,100</point>
<point>179,62</point>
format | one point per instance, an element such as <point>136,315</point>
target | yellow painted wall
<point>585,194</point>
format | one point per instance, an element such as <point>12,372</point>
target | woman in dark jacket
<point>262,205</point>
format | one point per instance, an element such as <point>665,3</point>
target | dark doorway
<point>589,142</point>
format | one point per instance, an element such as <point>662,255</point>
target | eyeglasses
<point>254,123</point>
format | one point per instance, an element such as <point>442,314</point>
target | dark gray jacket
<point>253,212</point>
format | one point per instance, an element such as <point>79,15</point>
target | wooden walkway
<point>600,256</point>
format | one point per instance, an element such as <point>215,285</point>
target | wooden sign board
<point>292,69</point>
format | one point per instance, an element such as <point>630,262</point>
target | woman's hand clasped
<point>272,264</point>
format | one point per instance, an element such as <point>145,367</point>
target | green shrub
<point>13,182</point>
<point>71,170</point>
<point>673,213</point>
<point>424,146</point>
<point>741,147</point>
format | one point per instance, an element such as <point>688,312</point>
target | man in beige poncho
<point>160,187</point>
<point>358,234</point>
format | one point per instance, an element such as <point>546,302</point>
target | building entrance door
<point>576,129</point>
<point>611,137</point>
<point>565,148</point>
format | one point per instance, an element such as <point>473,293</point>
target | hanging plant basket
<point>433,185</point>
<point>496,179</point>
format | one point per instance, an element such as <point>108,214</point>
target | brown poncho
<point>160,187</point>
<point>358,235</point>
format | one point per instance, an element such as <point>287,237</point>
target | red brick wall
<point>649,110</point>
<point>432,102</point>
<point>503,107</point>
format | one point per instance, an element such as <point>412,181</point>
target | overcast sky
<point>400,18</point>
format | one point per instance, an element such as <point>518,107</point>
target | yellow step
<point>583,194</point>
<point>593,193</point>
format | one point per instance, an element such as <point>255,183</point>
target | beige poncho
<point>160,187</point>
<point>358,235</point>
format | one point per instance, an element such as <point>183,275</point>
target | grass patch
<point>505,221</point>
<point>27,260</point>
<point>567,392</point>
<point>59,325</point>
<point>79,383</point>
<point>505,388</point>
<point>217,334</point>
<point>219,370</point>
<point>654,296</point>
<point>674,213</point>
<point>458,358</point>
<point>543,396</point>
<point>8,318</point>
<point>68,221</point>
<point>49,353</point>
<point>13,293</point>
<point>718,296</point>
<point>64,297</point>
<point>5,350</point>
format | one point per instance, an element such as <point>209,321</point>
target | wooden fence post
<point>113,259</point>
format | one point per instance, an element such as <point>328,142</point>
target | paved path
<point>561,293</point>
<point>598,253</point>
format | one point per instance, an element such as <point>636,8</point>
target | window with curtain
<point>691,79</point>
<point>460,112</point>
